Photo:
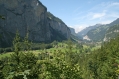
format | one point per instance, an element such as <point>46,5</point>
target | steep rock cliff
<point>30,16</point>
<point>58,25</point>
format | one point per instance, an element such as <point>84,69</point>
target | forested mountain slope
<point>112,32</point>
<point>85,31</point>
<point>98,33</point>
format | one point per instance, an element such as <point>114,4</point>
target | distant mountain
<point>114,22</point>
<point>111,32</point>
<point>98,33</point>
<point>85,31</point>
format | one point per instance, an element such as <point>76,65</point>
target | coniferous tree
<point>22,64</point>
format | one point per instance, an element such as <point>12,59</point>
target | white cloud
<point>92,15</point>
<point>113,4</point>
<point>78,28</point>
<point>106,22</point>
<point>114,15</point>
<point>103,13</point>
<point>98,15</point>
<point>99,11</point>
<point>105,6</point>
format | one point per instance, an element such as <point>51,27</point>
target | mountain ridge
<point>111,33</point>
<point>98,33</point>
<point>85,31</point>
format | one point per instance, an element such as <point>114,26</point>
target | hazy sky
<point>82,13</point>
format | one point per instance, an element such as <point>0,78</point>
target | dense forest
<point>71,61</point>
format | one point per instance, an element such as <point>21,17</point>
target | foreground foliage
<point>67,64</point>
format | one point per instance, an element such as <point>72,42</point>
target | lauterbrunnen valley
<point>59,39</point>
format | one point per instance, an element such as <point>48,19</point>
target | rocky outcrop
<point>30,16</point>
<point>72,31</point>
<point>58,25</point>
<point>86,38</point>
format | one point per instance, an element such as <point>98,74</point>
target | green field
<point>56,48</point>
<point>63,61</point>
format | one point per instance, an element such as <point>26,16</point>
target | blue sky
<point>83,13</point>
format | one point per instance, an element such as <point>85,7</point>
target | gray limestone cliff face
<point>25,16</point>
<point>29,16</point>
<point>58,25</point>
